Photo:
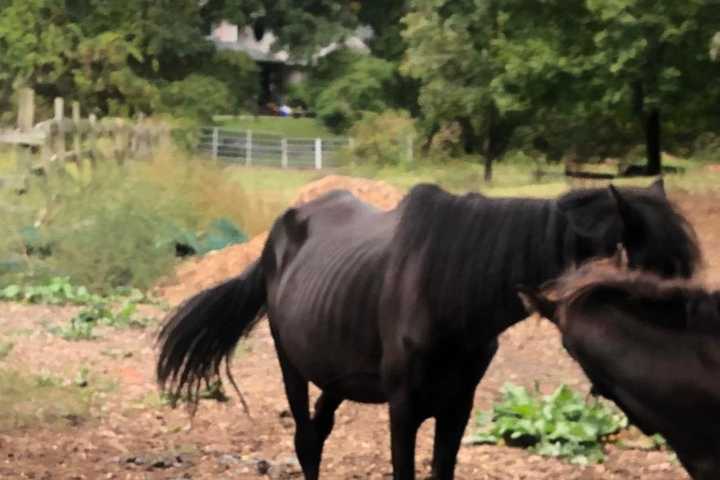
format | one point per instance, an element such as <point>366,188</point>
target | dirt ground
<point>130,434</point>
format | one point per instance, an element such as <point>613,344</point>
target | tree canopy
<point>593,77</point>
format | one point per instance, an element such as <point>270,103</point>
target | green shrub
<point>119,226</point>
<point>559,425</point>
<point>345,84</point>
<point>198,97</point>
<point>241,76</point>
<point>383,138</point>
<point>113,234</point>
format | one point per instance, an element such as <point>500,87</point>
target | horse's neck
<point>542,256</point>
<point>627,353</point>
<point>554,253</point>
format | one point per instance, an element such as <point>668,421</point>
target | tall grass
<point>118,226</point>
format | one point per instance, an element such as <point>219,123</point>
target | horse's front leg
<point>404,424</point>
<point>449,428</point>
<point>451,420</point>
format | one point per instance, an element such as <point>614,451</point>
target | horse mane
<point>600,279</point>
<point>473,249</point>
<point>679,242</point>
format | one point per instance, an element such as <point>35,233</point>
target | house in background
<point>277,70</point>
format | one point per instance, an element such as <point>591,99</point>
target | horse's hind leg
<point>296,389</point>
<point>310,433</point>
<point>324,417</point>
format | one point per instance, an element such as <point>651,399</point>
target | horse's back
<point>323,307</point>
<point>334,210</point>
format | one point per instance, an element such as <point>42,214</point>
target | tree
<point>451,52</point>
<point>35,40</point>
<point>570,73</point>
<point>654,59</point>
<point>345,84</point>
<point>115,56</point>
<point>600,73</point>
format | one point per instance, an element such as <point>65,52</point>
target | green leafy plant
<point>57,291</point>
<point>78,329</point>
<point>116,310</point>
<point>558,425</point>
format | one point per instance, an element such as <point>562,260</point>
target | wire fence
<point>253,148</point>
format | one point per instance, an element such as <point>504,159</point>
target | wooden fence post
<point>284,153</point>
<point>215,142</point>
<point>410,150</point>
<point>76,133</point>
<point>118,141</point>
<point>92,140</point>
<point>248,147</point>
<point>26,109</point>
<point>25,123</point>
<point>318,154</point>
<point>60,146</point>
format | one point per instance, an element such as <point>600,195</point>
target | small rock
<point>228,459</point>
<point>162,463</point>
<point>134,460</point>
<point>262,467</point>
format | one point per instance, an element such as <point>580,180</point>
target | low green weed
<point>49,400</point>
<point>57,291</point>
<point>5,349</point>
<point>118,309</point>
<point>558,425</point>
<point>77,329</point>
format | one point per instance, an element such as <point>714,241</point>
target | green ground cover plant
<point>118,310</point>
<point>561,424</point>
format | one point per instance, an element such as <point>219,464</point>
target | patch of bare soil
<point>132,434</point>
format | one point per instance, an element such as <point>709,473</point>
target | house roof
<point>229,37</point>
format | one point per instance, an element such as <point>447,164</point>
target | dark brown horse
<point>405,306</point>
<point>650,345</point>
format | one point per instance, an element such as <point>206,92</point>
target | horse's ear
<point>295,228</point>
<point>588,213</point>
<point>536,302</point>
<point>658,188</point>
<point>631,219</point>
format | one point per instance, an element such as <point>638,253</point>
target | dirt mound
<point>377,193</point>
<point>199,273</point>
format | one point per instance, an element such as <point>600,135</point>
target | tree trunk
<point>653,143</point>
<point>468,137</point>
<point>651,128</point>
<point>493,141</point>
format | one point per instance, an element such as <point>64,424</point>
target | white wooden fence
<point>253,148</point>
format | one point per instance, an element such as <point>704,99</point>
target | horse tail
<point>203,332</point>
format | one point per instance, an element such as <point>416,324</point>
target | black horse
<point>650,345</point>
<point>405,306</point>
